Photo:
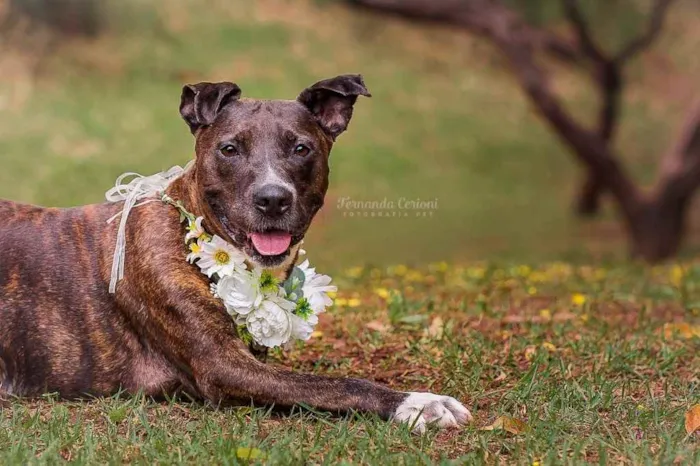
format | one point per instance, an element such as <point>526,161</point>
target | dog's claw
<point>421,409</point>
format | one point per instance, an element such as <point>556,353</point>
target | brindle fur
<point>163,331</point>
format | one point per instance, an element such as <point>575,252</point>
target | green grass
<point>446,122</point>
<point>602,381</point>
<point>600,363</point>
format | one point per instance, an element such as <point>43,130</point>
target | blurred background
<point>447,161</point>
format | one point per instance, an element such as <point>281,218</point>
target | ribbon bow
<point>137,189</point>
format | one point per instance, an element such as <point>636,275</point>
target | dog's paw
<point>420,409</point>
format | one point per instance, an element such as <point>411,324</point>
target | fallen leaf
<point>692,419</point>
<point>563,316</point>
<point>515,319</point>
<point>339,344</point>
<point>244,453</point>
<point>682,330</point>
<point>413,319</point>
<point>378,326</point>
<point>549,347</point>
<point>509,424</point>
<point>437,328</point>
<point>501,376</point>
<point>530,352</point>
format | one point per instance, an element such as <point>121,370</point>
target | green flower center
<point>303,309</point>
<point>268,283</point>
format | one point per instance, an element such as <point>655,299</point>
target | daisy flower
<point>195,230</point>
<point>316,288</point>
<point>219,257</point>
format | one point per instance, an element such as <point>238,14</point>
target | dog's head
<point>262,165</point>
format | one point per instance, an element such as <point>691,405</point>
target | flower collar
<point>268,312</point>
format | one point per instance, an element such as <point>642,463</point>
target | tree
<point>654,219</point>
<point>67,17</point>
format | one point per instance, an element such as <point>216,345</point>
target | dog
<point>260,171</point>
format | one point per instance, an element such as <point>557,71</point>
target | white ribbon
<point>139,188</point>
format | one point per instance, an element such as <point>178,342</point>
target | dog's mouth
<point>269,248</point>
<point>271,242</point>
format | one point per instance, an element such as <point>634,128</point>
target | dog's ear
<point>331,101</point>
<point>201,103</point>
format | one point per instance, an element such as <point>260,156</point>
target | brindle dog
<point>260,176</point>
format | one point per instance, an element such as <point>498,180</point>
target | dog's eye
<point>301,150</point>
<point>228,150</point>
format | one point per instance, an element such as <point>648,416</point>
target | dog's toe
<point>421,409</point>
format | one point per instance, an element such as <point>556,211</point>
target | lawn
<point>582,364</point>
<point>577,363</point>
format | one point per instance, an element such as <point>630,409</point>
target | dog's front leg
<point>201,336</point>
<point>233,374</point>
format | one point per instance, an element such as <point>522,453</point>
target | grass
<point>446,122</point>
<point>599,363</point>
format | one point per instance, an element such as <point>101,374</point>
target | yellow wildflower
<point>578,299</point>
<point>439,267</point>
<point>354,272</point>
<point>354,302</point>
<point>677,275</point>
<point>414,276</point>
<point>382,293</point>
<point>341,302</point>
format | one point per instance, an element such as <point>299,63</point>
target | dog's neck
<point>184,189</point>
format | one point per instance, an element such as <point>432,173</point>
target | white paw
<point>420,409</point>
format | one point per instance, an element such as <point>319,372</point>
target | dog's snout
<point>273,200</point>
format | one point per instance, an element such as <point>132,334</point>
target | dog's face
<point>262,165</point>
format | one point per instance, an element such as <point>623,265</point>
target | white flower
<point>271,324</point>
<point>195,229</point>
<point>302,329</point>
<point>195,251</point>
<point>240,291</point>
<point>315,289</point>
<point>219,257</point>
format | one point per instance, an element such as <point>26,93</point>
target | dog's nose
<point>273,200</point>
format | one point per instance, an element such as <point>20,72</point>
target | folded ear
<point>331,101</point>
<point>201,103</point>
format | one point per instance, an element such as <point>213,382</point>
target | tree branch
<point>585,38</point>
<point>656,23</point>
<point>588,147</point>
<point>479,16</point>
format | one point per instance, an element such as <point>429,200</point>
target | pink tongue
<point>271,244</point>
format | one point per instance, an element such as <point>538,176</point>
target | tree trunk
<point>609,79</point>
<point>588,200</point>
<point>657,229</point>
